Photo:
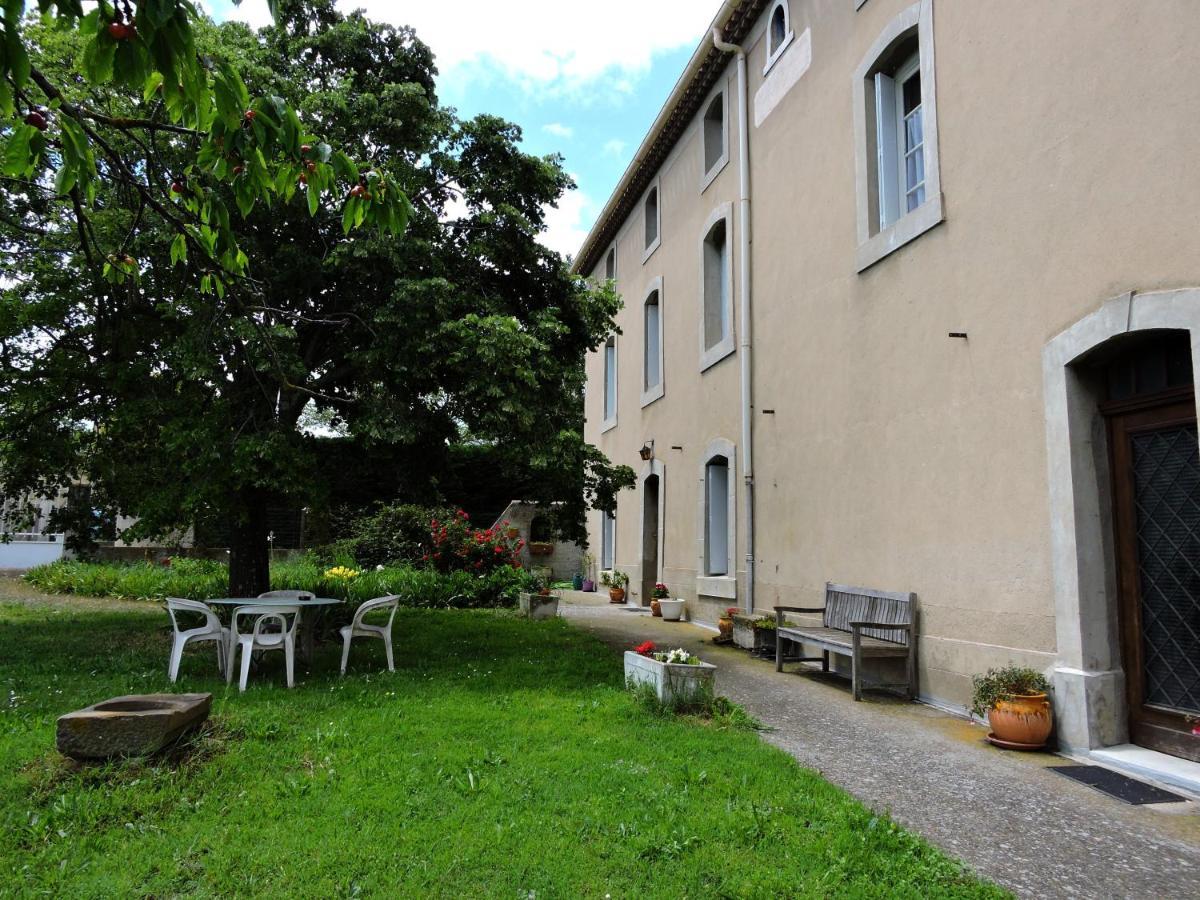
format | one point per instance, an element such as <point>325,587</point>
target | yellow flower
<point>341,572</point>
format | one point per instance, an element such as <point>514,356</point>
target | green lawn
<point>501,759</point>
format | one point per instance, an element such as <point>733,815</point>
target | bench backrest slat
<point>845,604</point>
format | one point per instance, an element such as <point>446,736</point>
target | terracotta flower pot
<point>513,533</point>
<point>616,595</point>
<point>1022,719</point>
<point>655,608</point>
<point>725,624</point>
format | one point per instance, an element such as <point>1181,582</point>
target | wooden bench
<point>859,623</point>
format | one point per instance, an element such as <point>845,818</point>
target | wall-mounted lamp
<point>647,451</point>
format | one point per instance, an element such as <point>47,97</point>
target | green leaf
<point>349,213</point>
<point>345,167</point>
<point>178,249</point>
<point>313,199</point>
<point>17,157</point>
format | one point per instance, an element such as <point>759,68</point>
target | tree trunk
<point>249,549</point>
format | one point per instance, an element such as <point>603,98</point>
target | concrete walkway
<point>1031,830</point>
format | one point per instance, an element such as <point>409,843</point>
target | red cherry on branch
<point>36,119</point>
<point>238,170</point>
<point>305,148</point>
<point>177,187</point>
<point>119,31</point>
<point>250,114</point>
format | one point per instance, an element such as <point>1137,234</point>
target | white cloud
<point>565,226</point>
<point>537,42</point>
<point>559,130</point>
<point>614,147</point>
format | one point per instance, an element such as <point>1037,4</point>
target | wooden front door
<point>1156,490</point>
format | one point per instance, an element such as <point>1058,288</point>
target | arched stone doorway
<point>653,486</point>
<point>1122,524</point>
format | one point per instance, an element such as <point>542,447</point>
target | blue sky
<point>566,72</point>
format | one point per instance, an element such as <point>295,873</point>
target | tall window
<point>779,33</point>
<point>716,524</point>
<point>610,263</point>
<point>717,287</point>
<point>652,356</point>
<point>651,214</point>
<point>895,108</point>
<point>714,133</point>
<point>901,140</point>
<point>608,535</point>
<point>610,382</point>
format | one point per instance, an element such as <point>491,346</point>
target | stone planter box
<point>537,606</point>
<point>130,726</point>
<point>672,610</point>
<point>746,636</point>
<point>670,682</point>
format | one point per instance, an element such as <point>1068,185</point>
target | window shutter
<point>887,140</point>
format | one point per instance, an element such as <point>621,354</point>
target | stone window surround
<point>612,249</point>
<point>1088,676</point>
<point>789,35</point>
<point>608,424</point>
<point>710,356</point>
<point>655,189</point>
<point>874,243</point>
<point>719,586</point>
<point>649,395</point>
<point>722,90</point>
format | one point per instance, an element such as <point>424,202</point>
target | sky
<point>567,72</point>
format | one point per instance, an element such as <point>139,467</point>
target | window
<point>610,263</point>
<point>608,538</point>
<point>901,141</point>
<point>652,350</point>
<point>716,138</point>
<point>652,216</point>
<point>779,34</point>
<point>716,284</point>
<point>716,529</point>
<point>899,185</point>
<point>610,383</point>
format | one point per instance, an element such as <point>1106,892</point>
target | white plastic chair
<point>211,630</point>
<point>358,628</point>
<point>259,639</point>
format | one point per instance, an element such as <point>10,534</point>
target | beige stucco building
<point>899,287</point>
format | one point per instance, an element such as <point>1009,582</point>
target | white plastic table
<point>307,624</point>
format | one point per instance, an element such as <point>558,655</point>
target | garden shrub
<point>391,535</point>
<point>456,545</point>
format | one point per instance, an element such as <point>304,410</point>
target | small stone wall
<point>564,558</point>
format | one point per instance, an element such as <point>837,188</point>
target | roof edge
<point>589,251</point>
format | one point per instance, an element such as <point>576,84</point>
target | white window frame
<point>876,242</point>
<point>653,245</point>
<point>788,35</point>
<point>611,386</point>
<point>608,542</point>
<point>720,586</point>
<point>718,166</point>
<point>710,356</point>
<point>653,392</point>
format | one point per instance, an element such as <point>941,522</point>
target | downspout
<point>747,449</point>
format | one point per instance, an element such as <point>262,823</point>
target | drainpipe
<point>747,449</point>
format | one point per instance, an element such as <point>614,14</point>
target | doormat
<point>1125,789</point>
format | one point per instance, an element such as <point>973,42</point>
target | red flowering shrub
<point>646,648</point>
<point>455,546</point>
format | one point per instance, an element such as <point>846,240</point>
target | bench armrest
<point>781,619</point>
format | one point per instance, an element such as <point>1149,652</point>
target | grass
<point>502,758</point>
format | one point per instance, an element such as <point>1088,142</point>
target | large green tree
<point>180,402</point>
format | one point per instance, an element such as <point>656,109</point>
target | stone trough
<point>136,725</point>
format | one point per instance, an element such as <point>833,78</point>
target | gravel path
<point>1014,822</point>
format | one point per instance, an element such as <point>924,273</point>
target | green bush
<point>205,579</point>
<point>391,535</point>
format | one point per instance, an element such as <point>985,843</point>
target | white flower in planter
<point>678,657</point>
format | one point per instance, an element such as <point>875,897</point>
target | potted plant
<point>672,609</point>
<point>585,564</point>
<point>540,548</point>
<point>725,623</point>
<point>674,674</point>
<point>661,592</point>
<point>753,632</point>
<point>616,582</point>
<point>540,602</point>
<point>577,581</point>
<point>1016,705</point>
